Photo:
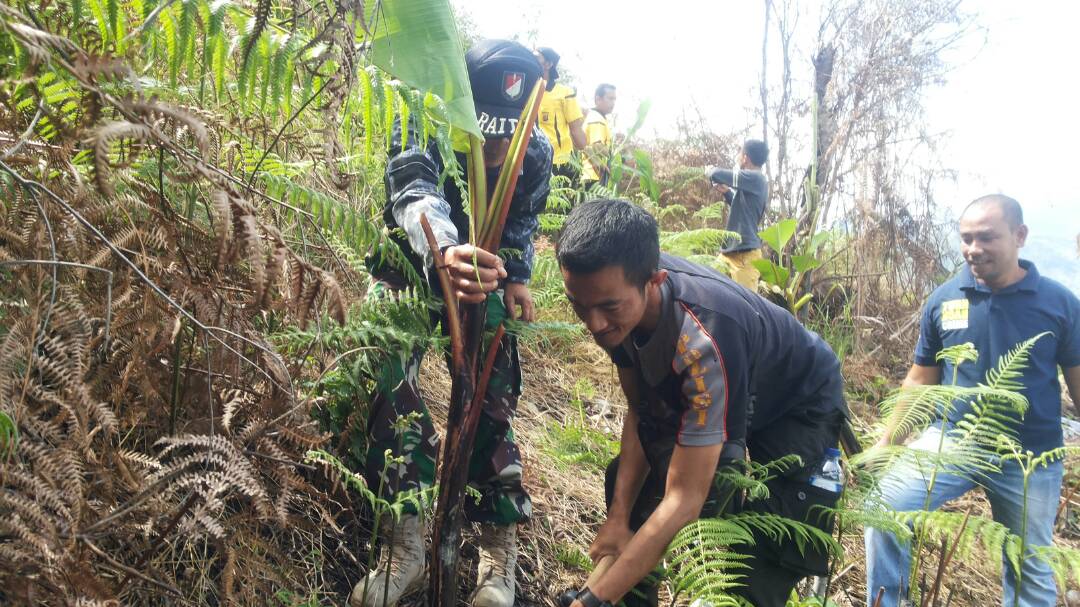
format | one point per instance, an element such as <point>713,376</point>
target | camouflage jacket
<point>412,188</point>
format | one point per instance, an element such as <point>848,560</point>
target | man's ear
<point>658,278</point>
<point>1021,235</point>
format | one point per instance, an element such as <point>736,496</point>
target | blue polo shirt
<point>962,310</point>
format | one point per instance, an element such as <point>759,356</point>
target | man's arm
<point>633,468</point>
<point>690,476</point>
<point>412,186</point>
<point>1072,382</point>
<point>575,119</point>
<point>917,375</point>
<point>577,134</point>
<point>750,181</point>
<point>412,178</point>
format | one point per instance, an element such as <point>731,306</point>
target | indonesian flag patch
<point>513,85</point>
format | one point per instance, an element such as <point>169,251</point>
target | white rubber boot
<point>406,566</point>
<point>498,562</point>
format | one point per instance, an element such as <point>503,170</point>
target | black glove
<point>588,599</point>
<point>567,598</point>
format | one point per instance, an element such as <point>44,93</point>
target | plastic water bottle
<point>830,477</point>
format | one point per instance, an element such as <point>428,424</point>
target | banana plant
<point>787,280</point>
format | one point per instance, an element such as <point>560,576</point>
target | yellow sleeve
<point>595,132</point>
<point>571,109</point>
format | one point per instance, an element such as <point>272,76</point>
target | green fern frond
<point>702,562</point>
<point>782,530</point>
<point>1061,453</point>
<point>354,229</point>
<point>550,222</point>
<point>754,482</point>
<point>1010,367</point>
<point>958,354</point>
<point>913,408</point>
<point>367,101</point>
<point>716,210</point>
<point>991,537</point>
<point>703,241</point>
<point>97,9</point>
<point>416,500</point>
<point>873,514</point>
<point>1064,562</point>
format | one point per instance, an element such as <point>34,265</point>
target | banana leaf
<point>419,43</point>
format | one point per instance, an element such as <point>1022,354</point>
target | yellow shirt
<point>558,109</point>
<point>597,134</point>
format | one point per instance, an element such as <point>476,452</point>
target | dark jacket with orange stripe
<point>724,362</point>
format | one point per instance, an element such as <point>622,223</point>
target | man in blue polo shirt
<point>996,302</point>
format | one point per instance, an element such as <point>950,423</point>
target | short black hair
<point>1010,208</point>
<point>610,232</point>
<point>604,88</point>
<point>757,151</point>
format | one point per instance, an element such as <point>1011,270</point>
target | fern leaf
<point>256,26</point>
<point>102,21</point>
<point>701,241</point>
<point>388,104</point>
<point>1010,368</point>
<point>184,28</point>
<point>367,100</point>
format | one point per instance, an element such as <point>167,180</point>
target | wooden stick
<point>453,320</point>
<point>600,569</point>
<point>945,558</point>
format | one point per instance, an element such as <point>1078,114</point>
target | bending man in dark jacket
<point>502,75</point>
<point>712,372</point>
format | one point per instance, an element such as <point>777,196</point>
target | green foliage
<point>547,285</point>
<point>1064,562</point>
<point>563,195</point>
<point>703,241</point>
<point>389,322</point>
<point>361,234</point>
<point>778,235</point>
<point>9,435</point>
<point>716,211</point>
<point>403,500</point>
<point>573,557</point>
<point>704,563</point>
<point>574,443</point>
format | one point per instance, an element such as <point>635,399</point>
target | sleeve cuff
<point>924,361</point>
<point>700,439</point>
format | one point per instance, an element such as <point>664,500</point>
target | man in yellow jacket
<point>598,135</point>
<point>560,116</point>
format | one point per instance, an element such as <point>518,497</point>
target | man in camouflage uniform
<point>502,75</point>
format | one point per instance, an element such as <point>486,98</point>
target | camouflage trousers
<point>496,494</point>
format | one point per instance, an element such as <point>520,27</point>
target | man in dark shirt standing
<point>502,75</point>
<point>746,191</point>
<point>711,373</point>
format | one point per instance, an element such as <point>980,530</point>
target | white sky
<point>1011,108</point>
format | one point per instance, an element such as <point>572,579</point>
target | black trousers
<point>773,568</point>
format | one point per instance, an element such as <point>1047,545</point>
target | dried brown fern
<point>161,438</point>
